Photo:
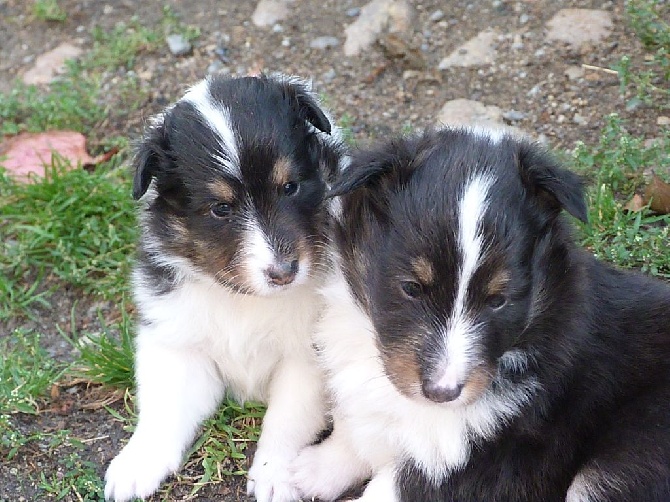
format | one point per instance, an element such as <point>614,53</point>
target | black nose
<point>440,393</point>
<point>283,272</point>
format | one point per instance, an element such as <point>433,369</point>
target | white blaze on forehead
<point>458,342</point>
<point>217,117</point>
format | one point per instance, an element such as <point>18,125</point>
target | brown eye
<point>496,302</point>
<point>290,188</point>
<point>221,210</point>
<point>411,289</point>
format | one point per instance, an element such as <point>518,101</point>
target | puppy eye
<point>496,302</point>
<point>411,289</point>
<point>290,188</point>
<point>221,210</point>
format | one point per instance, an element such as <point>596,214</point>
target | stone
<point>574,72</point>
<point>469,112</point>
<point>323,43</point>
<point>663,120</point>
<point>514,115</point>
<point>353,12</point>
<point>50,64</point>
<point>396,16</point>
<point>579,119</point>
<point>270,12</point>
<point>436,16</point>
<point>178,45</point>
<point>478,51</point>
<point>576,27</point>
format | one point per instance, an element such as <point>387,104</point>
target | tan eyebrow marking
<point>498,282</point>
<point>222,190</point>
<point>423,269</point>
<point>281,171</point>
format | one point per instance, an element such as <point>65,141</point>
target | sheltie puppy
<point>474,351</point>
<point>233,223</point>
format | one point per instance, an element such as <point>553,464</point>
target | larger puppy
<point>232,179</point>
<point>475,353</point>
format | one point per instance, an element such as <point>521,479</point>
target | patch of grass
<point>172,25</point>
<point>70,103</point>
<point>647,81</point>
<point>26,373</point>
<point>75,479</point>
<point>74,226</point>
<point>49,10</point>
<point>120,47</point>
<point>220,450</point>
<point>628,239</point>
<point>108,358</point>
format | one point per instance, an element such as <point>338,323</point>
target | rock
<point>468,112</point>
<point>376,16</point>
<point>178,45</point>
<point>214,67</point>
<point>579,119</point>
<point>513,115</point>
<point>269,12</point>
<point>353,12</point>
<point>323,43</point>
<point>663,120</point>
<point>579,26</point>
<point>436,16</point>
<point>50,64</point>
<point>329,76</point>
<point>478,51</point>
<point>524,18</point>
<point>574,72</point>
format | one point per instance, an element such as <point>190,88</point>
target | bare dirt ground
<point>373,91</point>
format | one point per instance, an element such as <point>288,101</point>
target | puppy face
<point>240,168</point>
<point>444,235</point>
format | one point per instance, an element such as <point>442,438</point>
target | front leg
<point>328,469</point>
<point>382,486</point>
<point>294,418</point>
<point>176,390</point>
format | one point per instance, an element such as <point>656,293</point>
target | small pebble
<point>277,28</point>
<point>663,120</point>
<point>353,12</point>
<point>214,67</point>
<point>436,16</point>
<point>524,18</point>
<point>323,43</point>
<point>329,76</point>
<point>178,45</point>
<point>579,119</point>
<point>514,115</point>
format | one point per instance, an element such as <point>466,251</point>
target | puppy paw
<point>138,472</point>
<point>315,475</point>
<point>269,479</point>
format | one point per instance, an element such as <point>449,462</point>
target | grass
<point>615,168</point>
<point>76,229</point>
<point>49,10</point>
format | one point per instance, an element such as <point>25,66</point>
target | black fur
<point>271,118</point>
<point>597,339</point>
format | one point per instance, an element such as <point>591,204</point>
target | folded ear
<point>359,174</point>
<point>556,187</point>
<point>149,158</point>
<point>308,108</point>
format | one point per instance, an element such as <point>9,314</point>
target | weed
<point>628,239</point>
<point>26,373</point>
<point>72,225</point>
<point>49,10</point>
<point>220,450</point>
<point>648,80</point>
<point>106,358</point>
<point>70,103</point>
<point>119,47</point>
<point>76,478</point>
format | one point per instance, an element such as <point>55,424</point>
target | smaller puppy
<point>475,353</point>
<point>232,179</point>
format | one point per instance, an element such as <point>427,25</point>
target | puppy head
<point>239,169</point>
<point>446,239</point>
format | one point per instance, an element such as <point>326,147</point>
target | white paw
<point>315,476</point>
<point>138,471</point>
<point>269,479</point>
